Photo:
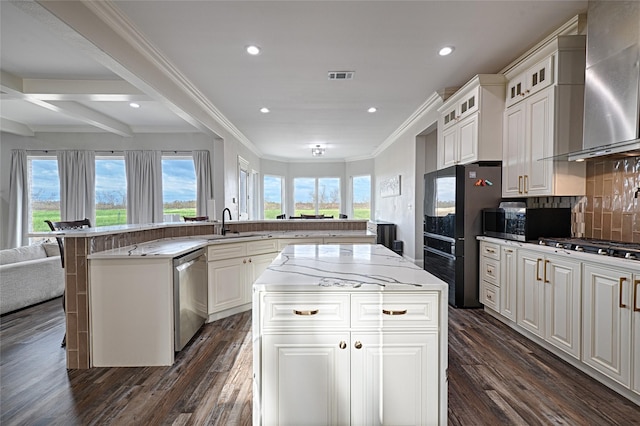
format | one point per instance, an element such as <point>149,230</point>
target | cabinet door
<point>512,151</point>
<point>257,265</point>
<point>508,280</point>
<point>306,379</point>
<point>635,367</point>
<point>538,173</point>
<point>468,140</point>
<point>530,292</point>
<point>227,286</point>
<point>394,378</point>
<point>607,321</point>
<point>448,149</point>
<point>562,304</point>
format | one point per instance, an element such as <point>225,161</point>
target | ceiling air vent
<point>341,75</point>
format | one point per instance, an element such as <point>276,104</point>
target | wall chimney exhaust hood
<point>612,81</point>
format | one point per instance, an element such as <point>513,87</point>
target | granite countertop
<point>373,267</point>
<point>174,247</point>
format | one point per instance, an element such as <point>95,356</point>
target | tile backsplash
<point>610,210</point>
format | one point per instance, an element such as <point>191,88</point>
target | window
<point>273,196</point>
<point>178,188</point>
<point>316,196</point>
<point>44,192</point>
<point>361,190</point>
<point>243,189</point>
<point>111,191</point>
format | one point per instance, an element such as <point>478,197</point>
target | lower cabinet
<point>548,294</point>
<point>366,360</point>
<point>508,282</point>
<point>611,324</point>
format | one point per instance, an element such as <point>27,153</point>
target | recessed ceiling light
<point>134,105</point>
<point>253,50</point>
<point>264,110</point>
<point>445,51</point>
<point>372,110</point>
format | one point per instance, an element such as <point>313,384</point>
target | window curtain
<point>18,200</point>
<point>204,184</point>
<point>77,171</point>
<point>144,186</point>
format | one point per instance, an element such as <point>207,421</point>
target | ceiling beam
<point>88,116</point>
<point>10,126</point>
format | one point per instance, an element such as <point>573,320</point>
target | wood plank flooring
<point>496,377</point>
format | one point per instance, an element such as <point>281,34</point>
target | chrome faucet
<point>225,230</point>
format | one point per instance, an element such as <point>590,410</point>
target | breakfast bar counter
<point>348,334</point>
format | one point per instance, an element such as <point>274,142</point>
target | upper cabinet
<point>471,122</point>
<point>543,119</point>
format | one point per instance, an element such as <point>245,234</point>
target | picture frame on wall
<point>390,187</point>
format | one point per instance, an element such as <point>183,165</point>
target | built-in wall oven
<point>189,296</point>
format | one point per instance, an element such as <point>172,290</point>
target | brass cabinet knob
<point>358,344</point>
<point>342,344</point>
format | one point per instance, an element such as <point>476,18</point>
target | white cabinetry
<point>635,326</point>
<point>347,358</point>
<point>490,275</point>
<point>549,299</point>
<point>508,282</point>
<point>232,268</point>
<point>543,119</point>
<point>610,296</point>
<point>471,120</point>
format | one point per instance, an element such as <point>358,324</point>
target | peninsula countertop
<point>174,247</point>
<point>313,267</point>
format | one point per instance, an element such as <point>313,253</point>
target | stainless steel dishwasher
<point>189,296</point>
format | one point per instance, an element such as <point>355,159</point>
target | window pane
<point>44,192</point>
<point>361,197</point>
<point>272,196</point>
<point>178,188</point>
<point>304,196</point>
<point>242,197</point>
<point>111,191</point>
<point>329,196</point>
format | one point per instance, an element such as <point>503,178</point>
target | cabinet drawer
<point>490,295</point>
<point>490,250</point>
<point>294,311</point>
<point>226,251</point>
<point>394,310</point>
<point>262,246</point>
<point>490,270</point>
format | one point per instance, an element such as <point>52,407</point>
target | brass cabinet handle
<point>508,251</point>
<point>519,184</point>
<point>358,344</point>
<point>391,312</point>
<point>342,344</point>
<point>636,308</point>
<point>490,250</point>
<point>545,271</point>
<point>526,184</point>
<point>538,270</point>
<point>306,313</point>
<point>622,280</point>
<point>249,260</point>
<point>244,260</point>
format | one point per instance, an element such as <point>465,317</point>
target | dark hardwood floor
<point>496,377</point>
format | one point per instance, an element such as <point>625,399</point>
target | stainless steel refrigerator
<point>453,202</point>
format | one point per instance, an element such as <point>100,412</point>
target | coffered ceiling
<point>71,66</point>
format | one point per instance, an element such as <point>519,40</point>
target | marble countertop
<point>570,254</point>
<point>174,247</point>
<point>309,267</point>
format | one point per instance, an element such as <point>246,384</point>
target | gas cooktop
<point>601,247</point>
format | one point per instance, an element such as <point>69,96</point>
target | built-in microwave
<point>514,221</point>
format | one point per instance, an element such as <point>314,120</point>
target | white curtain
<point>18,200</point>
<point>77,171</point>
<point>204,183</point>
<point>144,186</point>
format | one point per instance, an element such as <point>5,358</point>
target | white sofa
<point>30,275</point>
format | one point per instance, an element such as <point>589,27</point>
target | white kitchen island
<point>348,334</point>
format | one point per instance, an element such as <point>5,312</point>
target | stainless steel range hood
<point>612,80</point>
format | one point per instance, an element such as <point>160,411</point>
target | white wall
<point>401,158</point>
<point>102,142</point>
